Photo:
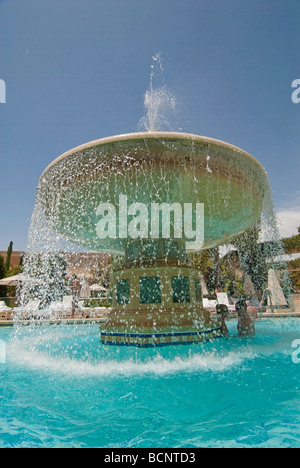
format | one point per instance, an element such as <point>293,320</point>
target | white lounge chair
<point>6,313</point>
<point>208,304</point>
<point>3,306</point>
<point>67,301</point>
<point>55,310</point>
<point>31,310</point>
<point>222,298</point>
<point>61,309</point>
<point>99,313</point>
<point>67,306</point>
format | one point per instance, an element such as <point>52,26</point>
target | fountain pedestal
<point>157,301</point>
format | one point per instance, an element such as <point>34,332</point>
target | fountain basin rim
<point>72,224</point>
<point>152,136</point>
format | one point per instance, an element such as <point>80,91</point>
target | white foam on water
<point>54,350</point>
<point>42,361</point>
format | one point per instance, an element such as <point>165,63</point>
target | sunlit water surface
<point>60,387</point>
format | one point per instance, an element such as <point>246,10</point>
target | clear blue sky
<point>77,70</point>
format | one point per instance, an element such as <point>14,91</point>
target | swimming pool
<point>60,388</point>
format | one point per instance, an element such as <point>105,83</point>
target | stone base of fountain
<point>157,340</point>
<point>157,300</point>
<point>148,339</point>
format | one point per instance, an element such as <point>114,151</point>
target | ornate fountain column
<point>157,298</point>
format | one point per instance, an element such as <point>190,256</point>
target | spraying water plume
<point>159,101</point>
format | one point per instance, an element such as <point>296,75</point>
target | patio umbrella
<point>249,289</point>
<point>97,287</point>
<point>85,289</point>
<point>15,280</point>
<point>277,296</point>
<point>204,286</point>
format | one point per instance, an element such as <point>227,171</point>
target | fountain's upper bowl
<point>153,167</point>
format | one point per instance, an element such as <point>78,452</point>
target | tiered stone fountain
<point>153,197</point>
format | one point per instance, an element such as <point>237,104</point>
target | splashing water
<point>159,101</point>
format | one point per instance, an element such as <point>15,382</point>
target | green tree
<point>3,289</point>
<point>211,266</point>
<point>53,273</point>
<point>48,273</point>
<point>2,267</point>
<point>21,262</point>
<point>8,257</point>
<point>230,263</point>
<point>292,244</point>
<point>294,267</point>
<point>253,258</point>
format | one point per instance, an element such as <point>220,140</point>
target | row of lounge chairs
<point>64,309</point>
<point>56,311</point>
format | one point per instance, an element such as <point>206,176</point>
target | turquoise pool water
<point>60,388</point>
